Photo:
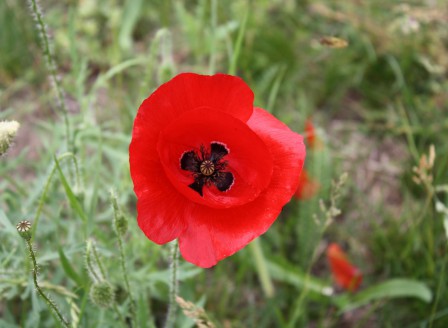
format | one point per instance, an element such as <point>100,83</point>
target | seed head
<point>24,229</point>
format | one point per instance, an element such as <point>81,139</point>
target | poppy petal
<point>162,212</point>
<point>215,234</point>
<point>226,93</point>
<point>287,148</point>
<point>160,217</point>
<point>344,273</point>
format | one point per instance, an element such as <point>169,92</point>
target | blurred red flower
<point>312,140</point>
<point>209,168</point>
<point>344,273</point>
<point>308,187</point>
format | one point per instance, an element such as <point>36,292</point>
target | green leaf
<point>238,44</point>
<point>68,268</point>
<point>131,13</point>
<point>184,273</point>
<point>74,203</point>
<point>394,288</point>
<point>288,274</point>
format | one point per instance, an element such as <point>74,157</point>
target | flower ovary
<point>207,168</point>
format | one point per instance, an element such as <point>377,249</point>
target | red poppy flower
<point>209,168</point>
<point>344,273</point>
<point>308,187</point>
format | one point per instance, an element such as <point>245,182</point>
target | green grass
<point>377,105</point>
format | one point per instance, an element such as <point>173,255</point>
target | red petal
<point>183,93</point>
<point>287,148</point>
<point>344,273</point>
<point>249,160</point>
<point>162,211</point>
<point>215,234</point>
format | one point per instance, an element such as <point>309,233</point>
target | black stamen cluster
<point>208,167</point>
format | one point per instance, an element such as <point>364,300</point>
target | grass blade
<point>238,43</point>
<point>394,288</point>
<point>74,203</point>
<point>68,268</point>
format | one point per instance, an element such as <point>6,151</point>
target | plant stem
<point>408,132</point>
<point>91,268</point>
<point>50,303</point>
<point>238,44</point>
<point>214,14</point>
<point>120,316</point>
<point>432,316</point>
<point>329,215</point>
<point>100,265</point>
<point>47,187</point>
<point>126,280</point>
<point>51,66</point>
<point>263,273</point>
<point>172,305</point>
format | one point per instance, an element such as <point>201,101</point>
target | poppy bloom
<point>344,273</point>
<point>208,168</point>
<point>308,187</point>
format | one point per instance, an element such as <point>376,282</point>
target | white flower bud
<point>8,130</point>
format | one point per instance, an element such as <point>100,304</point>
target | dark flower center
<point>208,167</point>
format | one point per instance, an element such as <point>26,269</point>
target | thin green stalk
<point>100,265</point>
<point>126,279</point>
<point>98,276</point>
<point>172,305</point>
<point>51,66</point>
<point>238,44</point>
<point>120,228</point>
<point>440,286</point>
<point>120,316</point>
<point>408,132</point>
<point>91,268</point>
<point>426,206</point>
<point>214,23</point>
<point>262,270</point>
<point>50,303</point>
<point>77,171</point>
<point>298,305</point>
<point>329,214</point>
<point>47,186</point>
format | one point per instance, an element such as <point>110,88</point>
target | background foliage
<point>377,105</point>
